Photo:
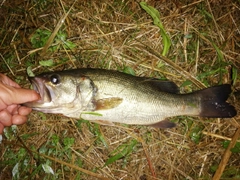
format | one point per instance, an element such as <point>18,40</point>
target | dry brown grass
<point>114,35</point>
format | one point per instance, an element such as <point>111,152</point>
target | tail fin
<point>213,102</point>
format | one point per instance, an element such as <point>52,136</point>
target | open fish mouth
<point>41,89</point>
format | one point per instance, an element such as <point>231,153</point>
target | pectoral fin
<point>108,103</point>
<point>163,124</point>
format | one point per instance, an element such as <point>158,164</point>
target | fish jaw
<point>39,87</point>
<point>38,84</point>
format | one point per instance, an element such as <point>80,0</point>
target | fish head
<point>62,93</point>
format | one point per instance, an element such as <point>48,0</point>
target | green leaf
<point>40,37</point>
<point>55,139</point>
<point>47,63</point>
<point>21,153</point>
<point>196,134</point>
<point>69,45</point>
<point>235,149</point>
<point>15,171</point>
<point>14,128</point>
<point>234,75</point>
<point>219,52</point>
<point>96,130</point>
<point>29,71</point>
<point>188,36</point>
<point>47,169</point>
<point>213,168</point>
<point>156,21</point>
<point>43,149</point>
<point>210,72</point>
<point>125,150</point>
<point>186,83</point>
<point>232,172</point>
<point>68,142</point>
<point>61,36</point>
<point>42,115</point>
<point>129,70</point>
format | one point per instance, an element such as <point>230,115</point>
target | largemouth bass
<point>106,96</point>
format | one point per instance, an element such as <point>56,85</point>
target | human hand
<point>11,96</point>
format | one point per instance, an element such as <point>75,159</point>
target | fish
<point>108,96</point>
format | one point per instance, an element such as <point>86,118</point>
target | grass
<point>38,36</point>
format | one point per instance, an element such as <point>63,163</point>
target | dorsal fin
<point>165,86</point>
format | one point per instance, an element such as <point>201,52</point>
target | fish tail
<point>213,102</point>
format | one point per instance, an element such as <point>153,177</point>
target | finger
<point>24,111</point>
<point>1,128</point>
<point>5,118</point>
<point>18,119</point>
<point>13,109</point>
<point>8,81</point>
<point>21,95</point>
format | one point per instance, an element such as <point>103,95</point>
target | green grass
<point>157,21</point>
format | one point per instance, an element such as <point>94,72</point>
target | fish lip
<point>40,88</point>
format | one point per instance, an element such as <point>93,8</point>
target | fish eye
<point>55,79</point>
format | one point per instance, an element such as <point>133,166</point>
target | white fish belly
<point>137,113</point>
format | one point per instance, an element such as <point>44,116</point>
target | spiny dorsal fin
<point>108,103</point>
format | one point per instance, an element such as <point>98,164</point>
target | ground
<point>49,35</point>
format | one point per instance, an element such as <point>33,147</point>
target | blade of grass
<point>220,57</point>
<point>174,66</point>
<point>226,156</point>
<point>144,145</point>
<point>126,149</point>
<point>72,166</point>
<point>7,65</point>
<point>157,21</point>
<point>48,63</point>
<point>234,75</point>
<point>54,33</point>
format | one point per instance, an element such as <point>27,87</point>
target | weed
<point>156,20</point>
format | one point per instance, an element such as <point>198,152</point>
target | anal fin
<point>163,124</point>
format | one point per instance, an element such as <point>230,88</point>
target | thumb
<point>20,96</point>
